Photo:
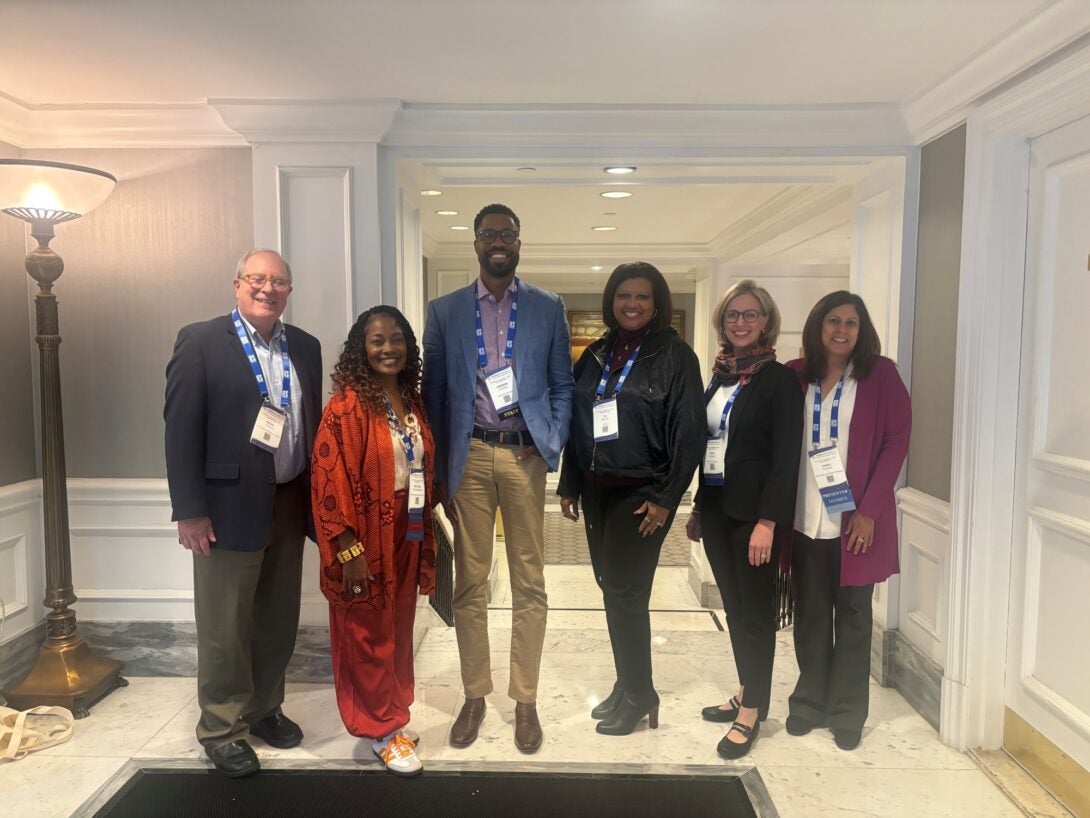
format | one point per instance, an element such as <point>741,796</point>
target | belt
<point>503,438</point>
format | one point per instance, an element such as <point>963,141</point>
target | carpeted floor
<point>167,793</point>
<point>566,542</point>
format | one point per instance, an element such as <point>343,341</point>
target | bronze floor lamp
<point>67,672</point>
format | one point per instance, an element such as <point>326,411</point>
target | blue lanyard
<point>406,438</point>
<point>482,354</point>
<point>727,407</point>
<point>255,367</point>
<point>601,390</point>
<point>815,433</point>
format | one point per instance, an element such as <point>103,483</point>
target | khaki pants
<point>494,477</point>
<point>247,610</point>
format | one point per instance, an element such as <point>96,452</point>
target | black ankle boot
<point>629,713</point>
<point>609,704</point>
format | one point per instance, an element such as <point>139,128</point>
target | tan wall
<point>938,269</point>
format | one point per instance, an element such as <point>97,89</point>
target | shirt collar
<point>483,291</point>
<point>255,336</point>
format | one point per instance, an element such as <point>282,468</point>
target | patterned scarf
<point>731,367</point>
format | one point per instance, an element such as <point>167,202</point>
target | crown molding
<point>877,127</point>
<point>947,104</point>
<point>263,121</point>
<point>783,212</point>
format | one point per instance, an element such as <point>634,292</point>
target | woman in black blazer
<point>747,491</point>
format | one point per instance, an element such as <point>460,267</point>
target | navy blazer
<point>213,470</point>
<point>542,363</point>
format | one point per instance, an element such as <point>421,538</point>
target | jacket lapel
<point>466,306</point>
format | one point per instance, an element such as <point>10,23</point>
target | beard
<point>498,269</point>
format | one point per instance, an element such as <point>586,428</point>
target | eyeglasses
<point>749,316</point>
<point>258,281</point>
<point>489,236</point>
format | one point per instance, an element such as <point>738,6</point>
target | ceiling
<point>708,52</point>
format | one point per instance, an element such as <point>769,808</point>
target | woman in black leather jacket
<point>637,435</point>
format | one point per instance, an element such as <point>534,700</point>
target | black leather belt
<point>503,438</point>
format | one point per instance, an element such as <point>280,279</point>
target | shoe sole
<point>398,773</point>
<point>279,745</point>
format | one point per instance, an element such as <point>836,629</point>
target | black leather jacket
<point>661,415</point>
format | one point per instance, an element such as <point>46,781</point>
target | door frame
<point>990,303</point>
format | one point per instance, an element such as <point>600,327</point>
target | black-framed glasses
<point>489,236</point>
<point>749,316</point>
<point>259,281</point>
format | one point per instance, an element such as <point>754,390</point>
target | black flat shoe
<point>732,750</point>
<point>235,759</point>
<point>719,715</point>
<point>277,730</point>
<point>847,739</point>
<point>629,713</point>
<point>609,704</point>
<point>798,726</point>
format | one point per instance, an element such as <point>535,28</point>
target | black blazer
<point>764,439</point>
<point>213,470</point>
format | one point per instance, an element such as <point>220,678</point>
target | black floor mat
<point>351,794</point>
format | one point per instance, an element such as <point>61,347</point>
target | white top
<point>715,410</point>
<point>401,460</point>
<point>811,518</point>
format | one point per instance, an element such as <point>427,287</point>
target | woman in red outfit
<point>371,490</point>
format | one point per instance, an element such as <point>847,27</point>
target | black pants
<point>624,565</point>
<point>749,598</point>
<point>832,638</point>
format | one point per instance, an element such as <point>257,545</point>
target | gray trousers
<point>247,611</point>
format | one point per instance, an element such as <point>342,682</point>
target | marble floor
<point>901,769</point>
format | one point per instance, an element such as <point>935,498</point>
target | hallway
<point>901,768</point>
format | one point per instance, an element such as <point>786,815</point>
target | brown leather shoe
<point>528,734</point>
<point>464,731</point>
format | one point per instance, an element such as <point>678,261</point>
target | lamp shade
<point>36,190</point>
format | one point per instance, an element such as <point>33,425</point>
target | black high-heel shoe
<point>734,750</point>
<point>629,713</point>
<point>609,704</point>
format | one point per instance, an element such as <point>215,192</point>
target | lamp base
<point>67,674</point>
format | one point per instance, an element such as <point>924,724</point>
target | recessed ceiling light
<point>526,170</point>
<point>615,194</point>
<point>597,267</point>
<point>603,228</point>
<point>431,192</point>
<point>446,212</point>
<point>459,227</point>
<point>620,170</point>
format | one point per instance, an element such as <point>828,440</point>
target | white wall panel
<point>924,581</point>
<point>22,557</point>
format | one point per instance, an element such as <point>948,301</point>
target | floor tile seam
<point>168,720</point>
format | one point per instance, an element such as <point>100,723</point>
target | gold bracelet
<point>350,553</point>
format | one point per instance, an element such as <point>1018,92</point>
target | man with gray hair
<point>243,401</point>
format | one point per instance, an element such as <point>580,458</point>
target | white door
<point>1048,654</point>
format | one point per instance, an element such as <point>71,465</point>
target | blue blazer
<point>542,362</point>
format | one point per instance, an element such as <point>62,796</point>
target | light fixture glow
<point>431,192</point>
<point>615,194</point>
<point>459,227</point>
<point>597,268</point>
<point>603,228</point>
<point>619,170</point>
<point>35,190</point>
<point>446,212</point>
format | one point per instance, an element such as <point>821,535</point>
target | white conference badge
<point>416,489</point>
<point>268,428</point>
<point>714,457</point>
<point>606,423</point>
<point>832,480</point>
<point>504,391</point>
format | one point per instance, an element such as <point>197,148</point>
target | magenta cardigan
<point>877,448</point>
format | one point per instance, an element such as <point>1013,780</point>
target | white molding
<point>873,126</point>
<point>308,121</point>
<point>1078,720</point>
<point>947,104</point>
<point>925,508</point>
<point>784,211</point>
<point>21,532</point>
<point>1076,467</point>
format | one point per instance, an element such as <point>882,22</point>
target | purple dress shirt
<point>494,318</point>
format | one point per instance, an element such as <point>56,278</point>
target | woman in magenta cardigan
<point>857,422</point>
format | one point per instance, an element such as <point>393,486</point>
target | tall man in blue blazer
<point>243,401</point>
<point>497,387</point>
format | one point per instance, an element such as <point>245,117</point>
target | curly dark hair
<point>867,347</point>
<point>354,372</point>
